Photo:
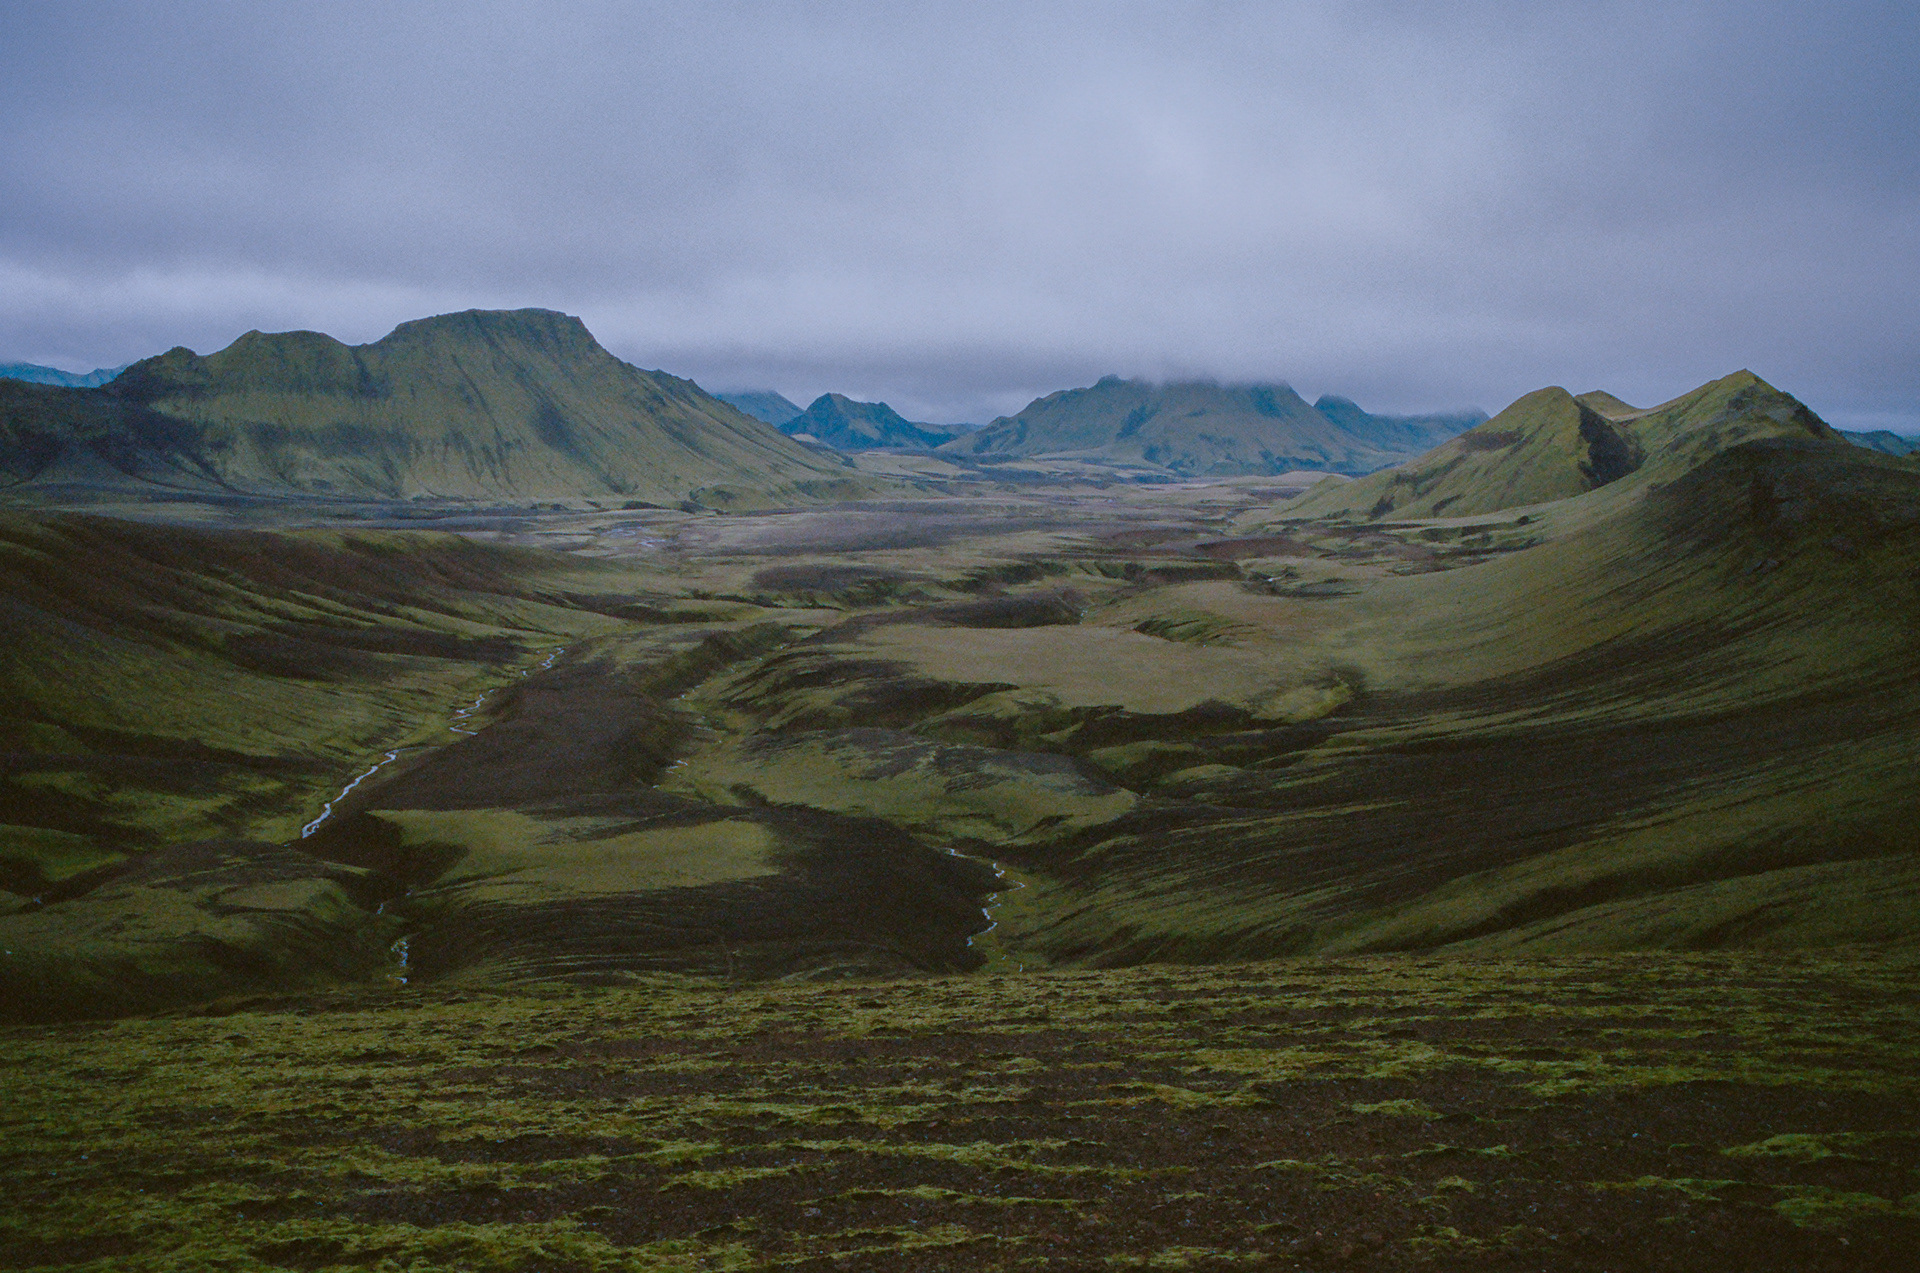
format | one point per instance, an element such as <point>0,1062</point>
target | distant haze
<point>955,208</point>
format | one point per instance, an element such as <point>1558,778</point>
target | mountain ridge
<point>1551,445</point>
<point>503,403</point>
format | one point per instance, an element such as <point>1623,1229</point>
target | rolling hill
<point>503,404</point>
<point>1550,445</point>
<point>1192,429</point>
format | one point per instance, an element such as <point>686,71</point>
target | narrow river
<point>456,724</point>
<point>986,942</point>
<point>400,950</point>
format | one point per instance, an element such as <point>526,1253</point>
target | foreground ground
<point>1622,1112</point>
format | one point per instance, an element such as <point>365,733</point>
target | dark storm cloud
<point>958,207</point>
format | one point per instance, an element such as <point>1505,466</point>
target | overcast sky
<point>957,207</point>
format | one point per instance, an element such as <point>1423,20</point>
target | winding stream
<point>998,958</point>
<point>457,723</point>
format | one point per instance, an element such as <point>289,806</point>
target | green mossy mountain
<point>1191,429</point>
<point>502,404</point>
<point>1551,445</point>
<point>839,421</point>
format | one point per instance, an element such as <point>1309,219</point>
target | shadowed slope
<point>162,684</point>
<point>1716,686</point>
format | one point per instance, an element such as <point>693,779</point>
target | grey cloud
<point>956,207</point>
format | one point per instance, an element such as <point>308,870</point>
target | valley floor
<point>1618,1112</point>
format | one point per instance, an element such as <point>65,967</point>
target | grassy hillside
<point>1190,725</point>
<point>1191,429</point>
<point>1550,445</point>
<point>178,704</point>
<point>1685,722</point>
<point>514,404</point>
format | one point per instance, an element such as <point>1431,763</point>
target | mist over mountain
<point>515,403</point>
<point>1200,428</point>
<point>34,373</point>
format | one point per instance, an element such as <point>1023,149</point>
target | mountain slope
<point>839,421</point>
<point>517,403</point>
<point>1550,445</point>
<point>1193,429</point>
<point>762,404</point>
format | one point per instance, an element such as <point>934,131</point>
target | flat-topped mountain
<point>513,403</point>
<point>1193,428</point>
<point>1550,445</point>
<point>839,421</point>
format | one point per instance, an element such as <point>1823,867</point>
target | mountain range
<point>1885,441</point>
<point>1198,428</point>
<point>34,373</point>
<point>516,403</point>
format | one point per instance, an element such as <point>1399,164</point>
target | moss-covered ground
<point>1654,1111</point>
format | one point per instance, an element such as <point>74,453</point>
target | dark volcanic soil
<point>1606,1113</point>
